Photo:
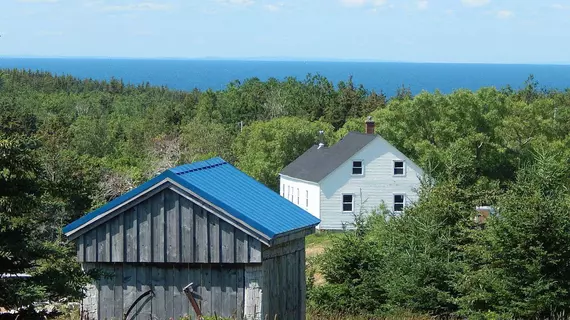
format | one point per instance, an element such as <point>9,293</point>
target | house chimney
<point>321,139</point>
<point>369,125</point>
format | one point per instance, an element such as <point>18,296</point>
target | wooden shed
<point>239,244</point>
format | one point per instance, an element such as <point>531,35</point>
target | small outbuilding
<point>204,233</point>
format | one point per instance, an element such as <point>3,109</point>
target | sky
<point>472,31</point>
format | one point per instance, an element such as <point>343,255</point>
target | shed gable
<point>167,227</point>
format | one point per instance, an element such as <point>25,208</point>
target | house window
<point>399,202</point>
<point>288,192</point>
<point>307,198</point>
<point>399,168</point>
<point>348,203</point>
<point>357,167</point>
<point>297,195</point>
<point>283,191</point>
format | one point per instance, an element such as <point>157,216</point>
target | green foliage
<point>264,148</point>
<point>520,266</point>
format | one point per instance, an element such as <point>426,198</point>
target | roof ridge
<point>209,166</point>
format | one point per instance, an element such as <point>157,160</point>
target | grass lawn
<point>316,243</point>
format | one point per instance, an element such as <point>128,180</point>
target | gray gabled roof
<point>315,164</point>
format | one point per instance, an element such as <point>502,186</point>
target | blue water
<point>385,76</point>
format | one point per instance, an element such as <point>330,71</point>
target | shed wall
<point>167,227</point>
<point>218,288</point>
<point>284,282</point>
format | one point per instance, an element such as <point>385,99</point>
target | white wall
<point>377,185</point>
<point>303,186</point>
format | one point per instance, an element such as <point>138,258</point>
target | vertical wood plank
<point>229,296</point>
<point>117,239</point>
<point>240,293</point>
<point>101,243</point>
<point>214,238</point>
<point>217,290</point>
<point>187,230</point>
<point>172,226</point>
<point>118,291</point>
<point>131,234</point>
<point>200,235</point>
<point>228,243</point>
<point>290,302</point>
<point>254,290</point>
<point>91,246</point>
<point>144,280</point>
<point>158,301</point>
<point>80,243</point>
<point>144,231</point>
<point>194,276</point>
<point>107,295</point>
<point>129,287</point>
<point>169,292</point>
<point>254,250</point>
<point>206,290</point>
<point>302,284</point>
<point>241,255</point>
<point>179,300</point>
<point>158,248</point>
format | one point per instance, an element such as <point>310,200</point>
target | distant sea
<point>216,74</point>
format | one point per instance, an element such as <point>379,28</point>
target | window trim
<point>361,167</point>
<point>306,198</point>
<point>298,196</point>
<point>403,194</point>
<point>283,192</point>
<point>405,167</point>
<point>342,202</point>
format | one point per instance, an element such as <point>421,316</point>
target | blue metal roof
<point>226,187</point>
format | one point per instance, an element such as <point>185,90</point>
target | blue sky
<point>495,31</point>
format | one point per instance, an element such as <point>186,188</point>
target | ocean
<point>379,76</point>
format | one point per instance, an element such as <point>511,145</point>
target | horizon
<point>280,59</point>
<point>403,31</point>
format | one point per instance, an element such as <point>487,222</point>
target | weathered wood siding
<point>218,289</point>
<point>284,286</point>
<point>167,227</point>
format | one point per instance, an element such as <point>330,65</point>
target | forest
<point>69,145</point>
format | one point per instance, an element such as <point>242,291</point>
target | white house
<point>361,171</point>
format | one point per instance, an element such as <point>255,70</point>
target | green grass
<point>320,238</point>
<point>401,316</point>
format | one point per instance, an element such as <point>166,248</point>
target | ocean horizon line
<point>282,59</point>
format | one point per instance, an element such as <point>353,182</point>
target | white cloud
<point>559,6</point>
<point>38,1</point>
<point>238,2</point>
<point>50,33</point>
<point>475,3</point>
<point>353,3</point>
<point>505,14</point>
<point>360,3</point>
<point>423,4</point>
<point>143,6</point>
<point>273,7</point>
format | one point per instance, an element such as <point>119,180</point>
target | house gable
<point>358,156</point>
<point>375,186</point>
<point>167,227</point>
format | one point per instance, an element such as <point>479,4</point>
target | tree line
<point>69,145</point>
